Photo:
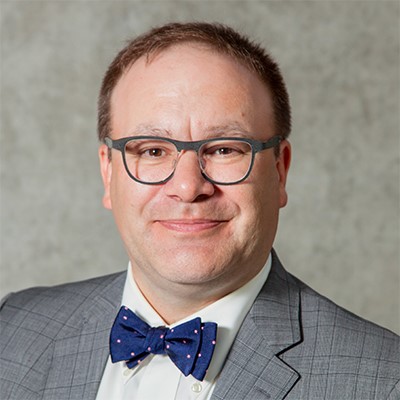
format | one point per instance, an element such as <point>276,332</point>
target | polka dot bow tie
<point>190,345</point>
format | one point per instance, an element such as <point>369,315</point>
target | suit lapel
<point>254,369</point>
<point>81,352</point>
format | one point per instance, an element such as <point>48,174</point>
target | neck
<point>172,309</point>
<point>175,301</point>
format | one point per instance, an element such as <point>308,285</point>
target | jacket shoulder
<point>318,310</point>
<point>50,310</point>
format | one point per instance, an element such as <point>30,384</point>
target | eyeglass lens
<point>152,161</point>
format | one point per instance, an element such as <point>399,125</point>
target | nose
<point>188,184</point>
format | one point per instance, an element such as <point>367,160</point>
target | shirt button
<point>196,387</point>
<point>127,372</point>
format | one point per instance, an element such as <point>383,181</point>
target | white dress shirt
<point>157,377</point>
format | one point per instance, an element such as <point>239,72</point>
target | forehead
<point>192,57</point>
<point>190,81</point>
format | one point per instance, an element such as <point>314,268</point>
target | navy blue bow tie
<point>190,345</point>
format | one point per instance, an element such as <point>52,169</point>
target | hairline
<point>150,56</point>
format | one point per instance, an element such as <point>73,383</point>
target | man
<point>193,120</point>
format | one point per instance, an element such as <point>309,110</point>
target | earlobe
<point>283,164</point>
<point>106,170</point>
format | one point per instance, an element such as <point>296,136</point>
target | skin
<point>191,242</point>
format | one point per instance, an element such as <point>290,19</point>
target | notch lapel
<point>81,351</point>
<point>254,369</point>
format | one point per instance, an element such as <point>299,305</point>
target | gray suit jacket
<point>293,344</point>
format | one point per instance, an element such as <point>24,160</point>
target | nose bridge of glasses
<point>188,146</point>
<point>183,147</point>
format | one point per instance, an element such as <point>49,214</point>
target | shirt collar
<point>228,312</point>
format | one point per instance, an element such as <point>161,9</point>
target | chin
<point>190,268</point>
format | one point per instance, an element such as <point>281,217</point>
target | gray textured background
<point>340,231</point>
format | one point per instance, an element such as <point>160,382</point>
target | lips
<point>190,226</point>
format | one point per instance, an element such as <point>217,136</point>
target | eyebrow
<point>150,130</point>
<point>231,129</point>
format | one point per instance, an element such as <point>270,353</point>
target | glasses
<point>152,160</point>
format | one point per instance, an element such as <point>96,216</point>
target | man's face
<point>189,232</point>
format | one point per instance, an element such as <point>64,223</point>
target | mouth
<point>190,226</point>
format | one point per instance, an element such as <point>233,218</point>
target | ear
<point>106,170</point>
<point>282,166</point>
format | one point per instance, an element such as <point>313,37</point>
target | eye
<point>145,149</point>
<point>154,152</point>
<point>226,150</point>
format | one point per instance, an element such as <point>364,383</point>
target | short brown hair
<point>219,37</point>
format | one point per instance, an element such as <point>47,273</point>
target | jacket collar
<point>254,368</point>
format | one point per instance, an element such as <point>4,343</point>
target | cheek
<point>248,200</point>
<point>128,198</point>
<point>260,201</point>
